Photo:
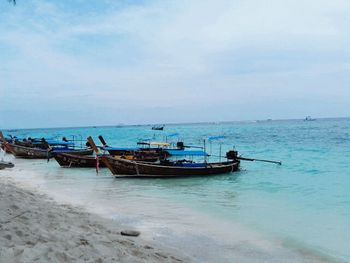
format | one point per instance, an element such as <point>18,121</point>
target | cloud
<point>176,55</point>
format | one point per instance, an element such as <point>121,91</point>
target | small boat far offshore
<point>308,118</point>
<point>158,127</point>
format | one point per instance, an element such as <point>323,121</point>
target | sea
<point>295,212</point>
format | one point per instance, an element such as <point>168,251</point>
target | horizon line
<point>119,125</point>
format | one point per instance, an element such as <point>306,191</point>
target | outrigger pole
<point>259,160</point>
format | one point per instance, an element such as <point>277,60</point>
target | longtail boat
<point>38,152</point>
<point>135,154</point>
<point>182,168</point>
<point>126,168</point>
<point>44,143</point>
<point>27,152</point>
<point>72,160</point>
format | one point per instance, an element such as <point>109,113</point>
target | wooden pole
<point>93,145</point>
<point>103,158</point>
<point>102,140</point>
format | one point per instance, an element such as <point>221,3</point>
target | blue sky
<point>84,62</point>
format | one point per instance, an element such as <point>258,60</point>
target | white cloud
<point>174,54</point>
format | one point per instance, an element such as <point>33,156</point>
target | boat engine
<point>180,145</point>
<point>232,155</point>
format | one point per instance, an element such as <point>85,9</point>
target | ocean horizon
<point>169,123</point>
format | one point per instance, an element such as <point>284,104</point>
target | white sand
<point>34,228</point>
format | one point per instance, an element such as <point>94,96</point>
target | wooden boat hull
<point>81,152</point>
<point>126,168</point>
<point>38,153</point>
<point>27,152</point>
<point>71,160</point>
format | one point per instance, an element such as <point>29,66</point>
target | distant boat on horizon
<point>158,128</point>
<point>308,118</point>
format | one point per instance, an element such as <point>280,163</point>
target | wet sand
<point>34,228</point>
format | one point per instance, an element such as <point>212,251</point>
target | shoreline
<point>198,241</point>
<point>35,227</point>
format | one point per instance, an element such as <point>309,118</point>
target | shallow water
<point>303,205</point>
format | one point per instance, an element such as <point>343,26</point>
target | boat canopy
<point>159,144</point>
<point>119,149</point>
<point>186,153</point>
<point>56,143</point>
<point>63,143</point>
<point>155,144</point>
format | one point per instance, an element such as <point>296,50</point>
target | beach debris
<point>10,220</point>
<point>161,255</point>
<point>4,165</point>
<point>132,233</point>
<point>84,242</point>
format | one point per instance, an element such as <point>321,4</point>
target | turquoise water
<point>305,203</point>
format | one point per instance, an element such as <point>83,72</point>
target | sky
<point>104,62</point>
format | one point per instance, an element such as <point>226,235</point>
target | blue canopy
<point>119,149</point>
<point>40,139</point>
<point>56,143</point>
<point>186,152</point>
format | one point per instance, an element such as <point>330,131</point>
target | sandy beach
<point>34,228</point>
